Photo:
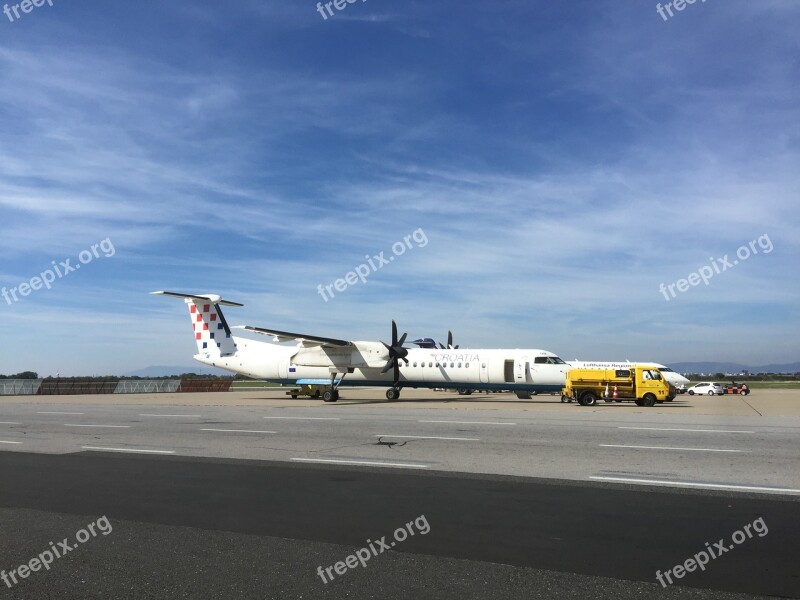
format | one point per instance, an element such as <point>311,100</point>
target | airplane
<point>330,361</point>
<point>671,377</point>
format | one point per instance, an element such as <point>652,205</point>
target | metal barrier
<point>147,386</point>
<point>58,387</point>
<point>205,385</point>
<point>19,387</point>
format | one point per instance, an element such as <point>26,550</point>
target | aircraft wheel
<point>392,394</point>
<point>330,395</point>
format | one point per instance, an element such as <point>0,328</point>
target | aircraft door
<point>484,372</point>
<point>522,368</point>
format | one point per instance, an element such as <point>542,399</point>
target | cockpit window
<point>548,360</point>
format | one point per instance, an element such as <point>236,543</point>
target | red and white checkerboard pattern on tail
<point>211,332</point>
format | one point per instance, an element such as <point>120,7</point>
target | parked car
<point>681,389</point>
<point>709,388</point>
<point>737,388</point>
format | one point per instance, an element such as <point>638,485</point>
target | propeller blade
<point>394,333</point>
<point>402,340</point>
<point>449,339</point>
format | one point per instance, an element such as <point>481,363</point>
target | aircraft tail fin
<point>211,331</point>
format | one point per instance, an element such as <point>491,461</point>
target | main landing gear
<point>393,393</point>
<point>332,394</point>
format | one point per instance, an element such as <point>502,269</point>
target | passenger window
<point>459,365</point>
<point>451,365</point>
<point>466,365</point>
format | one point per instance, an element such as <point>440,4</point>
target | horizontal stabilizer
<point>209,297</point>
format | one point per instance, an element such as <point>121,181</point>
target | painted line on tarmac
<point>427,437</point>
<point>134,450</point>
<point>154,415</point>
<point>8,423</point>
<point>360,462</point>
<point>670,448</point>
<point>87,425</point>
<point>470,422</point>
<point>695,430</point>
<point>239,430</point>
<point>691,484</point>
<point>305,418</point>
<point>4,442</point>
<point>52,412</point>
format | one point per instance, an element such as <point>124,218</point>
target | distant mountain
<point>726,367</point>
<point>173,371</point>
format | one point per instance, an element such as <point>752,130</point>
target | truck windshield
<point>651,374</point>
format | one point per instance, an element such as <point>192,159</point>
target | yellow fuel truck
<point>643,384</point>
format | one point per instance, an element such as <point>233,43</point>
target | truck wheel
<point>588,399</point>
<point>743,393</point>
<point>649,400</point>
<point>564,399</point>
<point>294,396</point>
<point>639,402</point>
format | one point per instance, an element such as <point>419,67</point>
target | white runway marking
<point>49,412</point>
<point>306,418</point>
<point>239,430</point>
<point>360,462</point>
<point>154,415</point>
<point>721,486</point>
<point>111,426</point>
<point>4,442</point>
<point>427,437</point>
<point>669,448</point>
<point>8,423</point>
<point>470,422</point>
<point>128,450</point>
<point>697,430</point>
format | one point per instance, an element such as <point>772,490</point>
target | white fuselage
<point>491,369</point>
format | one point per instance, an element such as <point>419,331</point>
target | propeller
<point>449,342</point>
<point>396,354</point>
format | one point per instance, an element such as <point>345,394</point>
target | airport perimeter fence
<point>19,387</point>
<point>147,386</point>
<point>68,386</point>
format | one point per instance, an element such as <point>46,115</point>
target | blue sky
<point>562,159</point>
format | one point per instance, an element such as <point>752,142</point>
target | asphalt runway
<point>245,494</point>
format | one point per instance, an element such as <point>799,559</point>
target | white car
<point>706,387</point>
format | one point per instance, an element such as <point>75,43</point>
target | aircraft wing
<point>308,340</point>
